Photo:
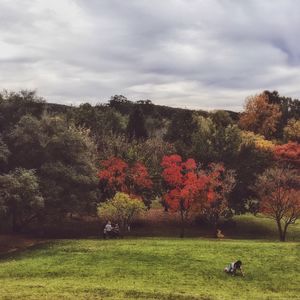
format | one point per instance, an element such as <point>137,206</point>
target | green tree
<point>203,148</point>
<point>121,209</point>
<point>180,131</point>
<point>121,104</point>
<point>250,163</point>
<point>102,120</point>
<point>215,143</point>
<point>136,128</point>
<point>221,118</point>
<point>64,157</point>
<point>4,154</point>
<point>13,106</point>
<point>21,197</point>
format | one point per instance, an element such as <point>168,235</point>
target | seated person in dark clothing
<point>116,231</point>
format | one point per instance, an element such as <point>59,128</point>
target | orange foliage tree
<point>260,116</point>
<point>279,193</point>
<point>186,186</point>
<point>118,176</point>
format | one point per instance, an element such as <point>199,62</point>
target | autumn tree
<point>116,175</point>
<point>289,108</point>
<point>121,209</point>
<point>258,140</point>
<point>220,184</point>
<point>291,131</point>
<point>288,154</point>
<point>260,116</point>
<point>279,191</point>
<point>186,186</point>
<point>151,152</point>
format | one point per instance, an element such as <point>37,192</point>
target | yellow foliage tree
<point>258,140</point>
<point>292,131</point>
<point>122,209</point>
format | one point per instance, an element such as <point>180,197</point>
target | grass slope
<point>157,268</point>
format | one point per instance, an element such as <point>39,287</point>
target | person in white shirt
<point>107,230</point>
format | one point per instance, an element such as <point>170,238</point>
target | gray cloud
<point>187,53</point>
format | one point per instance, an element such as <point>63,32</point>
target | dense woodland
<point>59,162</point>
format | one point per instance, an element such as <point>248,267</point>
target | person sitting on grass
<point>220,235</point>
<point>116,231</point>
<point>233,268</point>
<point>107,230</point>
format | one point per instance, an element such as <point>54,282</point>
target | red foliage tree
<point>114,173</point>
<point>279,190</point>
<point>288,153</point>
<point>186,186</point>
<point>118,176</point>
<point>220,184</point>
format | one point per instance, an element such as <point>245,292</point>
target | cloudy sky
<point>187,53</point>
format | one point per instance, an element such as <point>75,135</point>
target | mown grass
<point>250,226</point>
<point>154,268</point>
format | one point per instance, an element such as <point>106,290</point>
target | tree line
<point>57,161</point>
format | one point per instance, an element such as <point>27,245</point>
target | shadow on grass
<point>19,253</point>
<point>133,294</point>
<point>136,294</point>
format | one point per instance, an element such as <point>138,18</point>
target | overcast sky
<point>206,54</point>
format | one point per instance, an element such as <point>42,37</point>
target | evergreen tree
<point>136,128</point>
<point>180,132</point>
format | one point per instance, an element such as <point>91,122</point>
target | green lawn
<point>157,268</point>
<point>249,226</point>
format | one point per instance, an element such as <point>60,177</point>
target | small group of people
<point>111,230</point>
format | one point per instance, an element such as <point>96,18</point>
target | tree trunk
<point>15,224</point>
<point>280,231</point>
<point>284,232</point>
<point>216,225</point>
<point>124,228</point>
<point>182,231</point>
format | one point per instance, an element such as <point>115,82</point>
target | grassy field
<point>154,268</point>
<point>249,226</point>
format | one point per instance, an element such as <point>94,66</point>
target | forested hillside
<point>57,161</point>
